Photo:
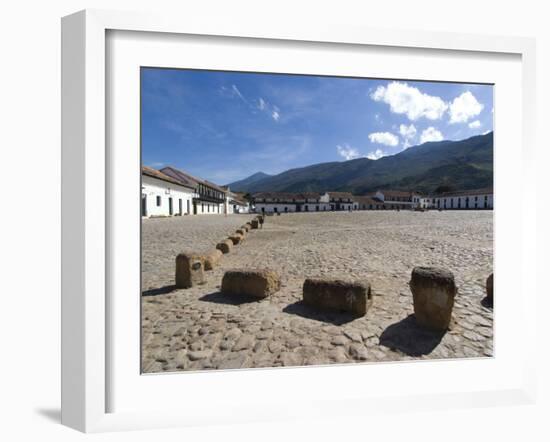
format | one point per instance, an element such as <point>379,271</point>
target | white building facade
<point>162,196</point>
<point>341,201</point>
<point>282,202</point>
<point>396,199</point>
<point>467,200</point>
<point>209,199</point>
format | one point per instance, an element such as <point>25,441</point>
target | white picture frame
<point>86,317</point>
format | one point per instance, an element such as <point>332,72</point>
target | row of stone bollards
<point>433,289</point>
<point>190,266</point>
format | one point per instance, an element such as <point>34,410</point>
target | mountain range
<point>427,168</point>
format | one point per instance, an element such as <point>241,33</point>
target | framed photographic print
<point>266,220</point>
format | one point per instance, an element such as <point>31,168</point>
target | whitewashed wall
<point>206,208</point>
<point>459,202</point>
<point>312,207</point>
<point>270,207</point>
<point>343,206</point>
<point>153,189</point>
<point>236,208</point>
<point>305,208</point>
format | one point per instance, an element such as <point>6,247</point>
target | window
<point>158,200</point>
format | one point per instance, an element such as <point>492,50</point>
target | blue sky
<point>225,126</point>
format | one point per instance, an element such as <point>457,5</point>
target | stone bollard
<point>211,259</point>
<point>245,227</point>
<point>338,295</point>
<point>489,288</point>
<point>225,246</point>
<point>434,292</point>
<point>254,224</point>
<point>236,238</point>
<point>256,283</point>
<point>189,270</point>
<point>248,226</point>
<point>241,232</point>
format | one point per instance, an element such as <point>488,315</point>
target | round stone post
<point>189,270</point>
<point>434,292</point>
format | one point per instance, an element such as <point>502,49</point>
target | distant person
<point>261,220</point>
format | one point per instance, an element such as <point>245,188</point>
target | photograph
<point>293,220</point>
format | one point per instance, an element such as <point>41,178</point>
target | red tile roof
<point>149,171</point>
<point>486,191</point>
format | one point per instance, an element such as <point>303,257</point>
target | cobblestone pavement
<point>199,328</point>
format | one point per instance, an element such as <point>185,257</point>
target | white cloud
<point>405,99</point>
<point>261,103</point>
<point>376,154</point>
<point>237,93</point>
<point>464,107</point>
<point>474,124</point>
<point>347,152</point>
<point>407,132</point>
<point>386,138</point>
<point>431,134</point>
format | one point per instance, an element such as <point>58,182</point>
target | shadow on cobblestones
<point>300,308</point>
<point>160,291</point>
<point>408,337</point>
<point>222,298</point>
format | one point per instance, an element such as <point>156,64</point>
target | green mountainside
<point>456,165</point>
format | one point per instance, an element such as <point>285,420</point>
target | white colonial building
<point>368,203</point>
<point>481,199</point>
<point>342,201</point>
<point>397,199</point>
<point>285,202</point>
<point>209,199</point>
<point>236,203</point>
<point>162,195</point>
